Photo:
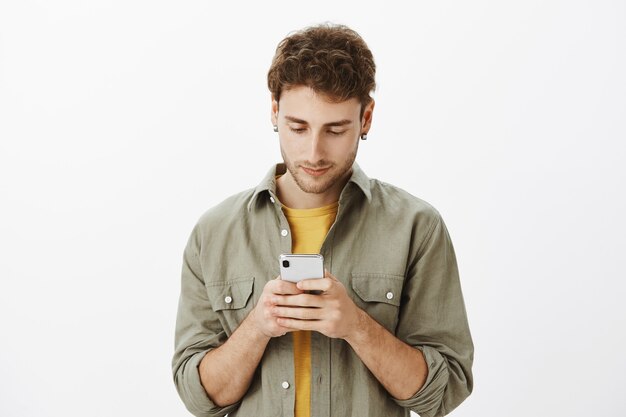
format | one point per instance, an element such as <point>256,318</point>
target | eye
<point>334,133</point>
<point>297,130</point>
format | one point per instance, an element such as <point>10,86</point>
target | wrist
<point>358,332</point>
<point>253,329</point>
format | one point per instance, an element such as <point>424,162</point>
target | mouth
<point>315,172</point>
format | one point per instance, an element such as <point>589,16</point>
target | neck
<point>292,196</point>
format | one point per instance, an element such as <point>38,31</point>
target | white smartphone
<point>296,267</point>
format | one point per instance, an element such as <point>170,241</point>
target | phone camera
<point>286,264</point>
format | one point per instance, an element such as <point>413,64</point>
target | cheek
<point>293,142</point>
<point>344,147</point>
<point>289,148</point>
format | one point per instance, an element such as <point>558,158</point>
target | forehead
<point>304,103</point>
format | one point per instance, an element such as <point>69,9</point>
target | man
<point>387,334</point>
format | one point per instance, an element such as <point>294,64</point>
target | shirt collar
<point>268,184</point>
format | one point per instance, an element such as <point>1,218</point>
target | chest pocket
<point>379,296</point>
<point>231,301</point>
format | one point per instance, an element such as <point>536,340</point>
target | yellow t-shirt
<point>308,231</point>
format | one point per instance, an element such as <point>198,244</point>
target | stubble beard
<point>320,185</point>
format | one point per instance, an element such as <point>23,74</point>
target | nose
<point>316,148</point>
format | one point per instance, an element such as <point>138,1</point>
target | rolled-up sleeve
<point>198,331</point>
<point>433,319</point>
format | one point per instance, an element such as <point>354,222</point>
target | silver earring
<point>364,136</point>
<point>275,128</point>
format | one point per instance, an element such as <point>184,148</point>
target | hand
<point>332,313</point>
<point>262,317</point>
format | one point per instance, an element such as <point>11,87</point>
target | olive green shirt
<point>393,254</point>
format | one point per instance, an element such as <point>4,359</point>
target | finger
<point>297,313</point>
<point>299,300</point>
<point>284,330</point>
<point>299,324</point>
<point>327,274</point>
<point>279,286</point>
<point>321,284</point>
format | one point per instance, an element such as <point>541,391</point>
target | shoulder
<point>223,215</point>
<point>406,214</point>
<point>395,201</point>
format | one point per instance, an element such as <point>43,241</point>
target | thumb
<point>327,274</point>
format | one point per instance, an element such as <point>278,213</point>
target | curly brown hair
<point>331,59</point>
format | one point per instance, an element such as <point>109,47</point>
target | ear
<point>274,109</point>
<point>366,121</point>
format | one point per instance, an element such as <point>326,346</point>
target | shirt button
<point>284,232</point>
<point>272,199</point>
<point>285,384</point>
<point>228,299</point>
<point>389,295</point>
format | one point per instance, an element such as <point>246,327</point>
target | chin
<point>318,185</point>
<point>314,187</point>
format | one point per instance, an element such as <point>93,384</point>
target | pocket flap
<point>378,288</point>
<point>230,295</point>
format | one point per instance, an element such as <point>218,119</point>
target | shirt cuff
<point>194,395</point>
<point>427,401</point>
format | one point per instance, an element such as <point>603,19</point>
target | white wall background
<point>122,121</point>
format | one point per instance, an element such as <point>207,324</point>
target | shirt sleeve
<point>433,319</point>
<point>198,331</point>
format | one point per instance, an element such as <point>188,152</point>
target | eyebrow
<point>342,122</point>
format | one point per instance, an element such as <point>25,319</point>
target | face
<point>318,138</point>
